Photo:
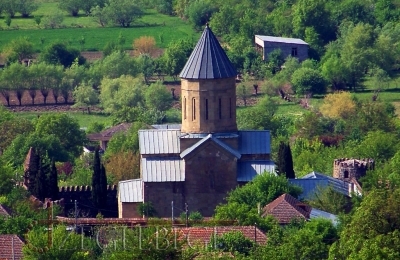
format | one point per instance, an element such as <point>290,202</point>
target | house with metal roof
<point>314,181</point>
<point>198,162</point>
<point>289,46</point>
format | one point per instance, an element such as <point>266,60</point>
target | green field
<point>163,28</point>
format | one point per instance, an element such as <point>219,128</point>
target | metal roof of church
<point>248,170</point>
<point>208,60</point>
<point>215,140</point>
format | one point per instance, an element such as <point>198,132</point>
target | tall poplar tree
<point>99,182</point>
<point>52,182</point>
<point>284,163</point>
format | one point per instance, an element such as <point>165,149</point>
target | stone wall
<point>83,194</point>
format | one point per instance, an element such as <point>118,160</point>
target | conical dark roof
<point>208,60</point>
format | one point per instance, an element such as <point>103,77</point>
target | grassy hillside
<point>163,28</point>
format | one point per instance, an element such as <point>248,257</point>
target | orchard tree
<point>146,64</point>
<point>175,57</point>
<point>71,6</point>
<point>18,50</point>
<point>85,96</point>
<point>122,92</point>
<point>123,12</point>
<point>338,105</point>
<point>308,81</point>
<point>26,7</point>
<point>53,20</point>
<point>158,97</point>
<point>59,54</point>
<point>99,15</point>
<point>16,77</point>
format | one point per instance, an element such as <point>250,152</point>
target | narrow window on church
<point>184,108</point>
<point>193,109</point>
<point>206,109</point>
<point>230,108</point>
<point>220,108</point>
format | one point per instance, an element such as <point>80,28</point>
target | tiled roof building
<point>198,162</point>
<point>11,247</point>
<point>286,208</point>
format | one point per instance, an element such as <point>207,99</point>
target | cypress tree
<point>99,182</point>
<point>52,182</point>
<point>280,162</point>
<point>284,163</point>
<point>39,189</point>
<point>289,171</point>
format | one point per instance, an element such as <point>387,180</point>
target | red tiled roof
<point>4,211</point>
<point>285,208</point>
<point>106,135</point>
<point>11,247</point>
<point>202,235</point>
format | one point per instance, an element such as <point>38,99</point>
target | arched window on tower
<point>206,109</point>
<point>193,109</point>
<point>184,108</point>
<point>346,174</point>
<point>220,107</point>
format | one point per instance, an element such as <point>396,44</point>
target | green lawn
<point>163,28</point>
<point>84,120</point>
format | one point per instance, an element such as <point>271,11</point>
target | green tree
<point>175,56</point>
<point>373,231</point>
<point>146,64</point>
<point>329,200</point>
<point>53,20</point>
<point>85,96</point>
<point>120,93</point>
<point>123,12</point>
<point>243,202</point>
<point>16,77</point>
<point>26,7</point>
<point>234,242</point>
<point>306,80</point>
<point>59,54</point>
<point>18,50</point>
<point>310,13</point>
<point>65,128</point>
<point>99,15</point>
<point>99,183</point>
<point>11,128</point>
<point>64,245</point>
<point>199,13</point>
<point>158,97</point>
<point>284,161</point>
<point>71,6</point>
<point>39,187</point>
<point>52,182</point>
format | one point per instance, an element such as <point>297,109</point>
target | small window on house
<point>294,52</point>
<point>206,109</point>
<point>193,109</point>
<point>184,108</point>
<point>220,107</point>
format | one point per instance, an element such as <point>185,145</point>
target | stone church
<point>198,162</point>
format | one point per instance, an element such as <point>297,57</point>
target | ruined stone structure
<point>347,169</point>
<point>200,161</point>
